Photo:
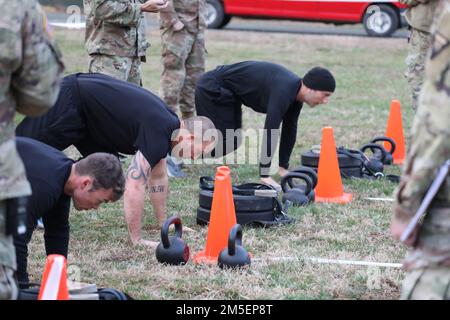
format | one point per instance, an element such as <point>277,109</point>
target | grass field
<point>369,74</point>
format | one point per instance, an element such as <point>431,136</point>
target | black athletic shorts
<point>214,101</point>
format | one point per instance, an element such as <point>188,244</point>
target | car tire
<point>384,24</point>
<point>225,21</point>
<point>216,17</point>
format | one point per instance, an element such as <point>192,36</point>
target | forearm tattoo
<point>135,171</point>
<point>157,189</point>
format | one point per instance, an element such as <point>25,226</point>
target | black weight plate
<point>351,172</point>
<point>200,221</point>
<point>393,178</point>
<point>242,218</point>
<point>348,172</point>
<point>241,203</point>
<point>311,159</point>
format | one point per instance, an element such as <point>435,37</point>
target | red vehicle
<point>380,18</point>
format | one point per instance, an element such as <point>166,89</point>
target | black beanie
<point>319,79</point>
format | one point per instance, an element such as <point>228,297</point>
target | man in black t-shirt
<point>266,88</point>
<point>97,113</point>
<point>54,180</point>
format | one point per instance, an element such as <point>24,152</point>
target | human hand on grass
<point>146,243</point>
<point>187,229</point>
<point>398,227</point>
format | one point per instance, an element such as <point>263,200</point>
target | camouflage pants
<point>122,68</point>
<point>429,277</point>
<point>427,284</point>
<point>8,286</point>
<point>419,43</point>
<point>183,59</point>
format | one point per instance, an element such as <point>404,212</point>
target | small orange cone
<point>394,131</point>
<point>54,280</point>
<point>222,218</point>
<point>329,184</point>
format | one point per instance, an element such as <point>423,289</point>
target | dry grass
<point>369,74</point>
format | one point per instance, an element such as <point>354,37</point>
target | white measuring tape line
<point>332,261</point>
<point>379,199</point>
<point>67,25</point>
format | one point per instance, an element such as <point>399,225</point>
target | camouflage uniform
<point>115,38</point>
<point>429,261</point>
<point>419,17</point>
<point>30,72</point>
<point>183,53</point>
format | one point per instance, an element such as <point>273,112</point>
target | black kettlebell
<point>312,175</point>
<point>172,250</point>
<point>389,159</point>
<point>374,165</point>
<point>206,183</point>
<point>298,196</point>
<point>235,255</point>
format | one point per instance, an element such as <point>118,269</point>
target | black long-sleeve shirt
<point>271,89</point>
<point>47,171</point>
<point>98,113</point>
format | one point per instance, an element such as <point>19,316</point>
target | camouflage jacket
<point>192,13</point>
<point>30,73</point>
<point>420,13</point>
<point>115,27</point>
<point>430,136</point>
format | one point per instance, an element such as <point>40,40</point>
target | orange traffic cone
<point>329,184</point>
<point>394,131</point>
<point>222,218</point>
<point>54,280</point>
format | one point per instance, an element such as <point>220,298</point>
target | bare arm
<point>159,189</point>
<point>136,181</point>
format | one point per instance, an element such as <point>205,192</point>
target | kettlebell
<point>298,196</point>
<point>172,250</point>
<point>234,256</point>
<point>312,175</point>
<point>374,165</point>
<point>389,159</point>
